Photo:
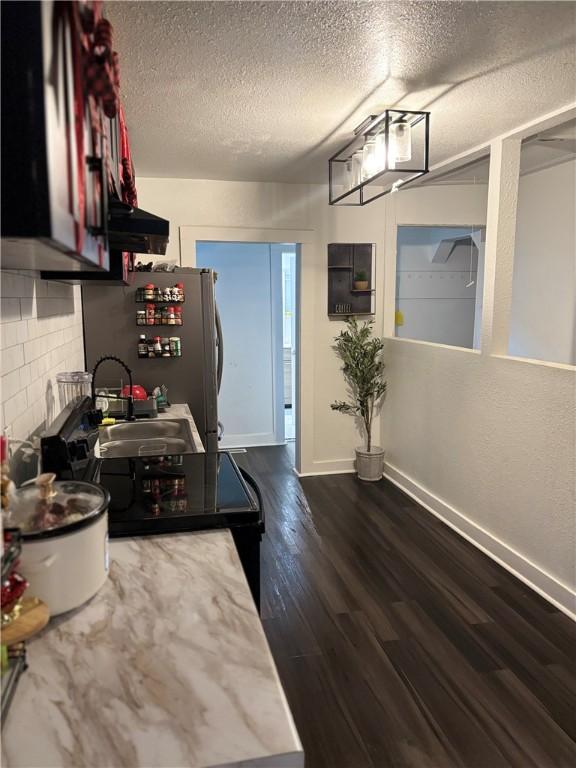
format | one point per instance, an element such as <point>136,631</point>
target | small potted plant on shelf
<point>361,280</point>
<point>363,369</point>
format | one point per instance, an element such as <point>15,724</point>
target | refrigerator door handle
<point>220,346</point>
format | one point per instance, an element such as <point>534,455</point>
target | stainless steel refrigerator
<point>111,328</point>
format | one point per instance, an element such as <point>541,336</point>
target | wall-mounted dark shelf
<point>345,260</point>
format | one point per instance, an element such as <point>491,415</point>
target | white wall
<point>41,329</point>
<point>543,320</point>
<point>328,437</point>
<point>249,298</point>
<point>486,442</point>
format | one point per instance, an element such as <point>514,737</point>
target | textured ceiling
<point>544,150</point>
<point>268,90</point>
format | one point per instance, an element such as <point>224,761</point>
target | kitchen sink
<point>146,438</point>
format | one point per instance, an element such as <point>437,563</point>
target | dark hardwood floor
<point>399,643</point>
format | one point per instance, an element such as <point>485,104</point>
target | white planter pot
<point>370,464</point>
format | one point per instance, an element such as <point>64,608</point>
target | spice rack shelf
<point>159,301</point>
<point>152,294</point>
<point>159,357</point>
<point>159,325</point>
<point>156,347</point>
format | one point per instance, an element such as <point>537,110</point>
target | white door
<point>249,298</point>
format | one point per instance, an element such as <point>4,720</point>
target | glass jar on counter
<point>140,317</point>
<point>177,315</point>
<point>149,314</point>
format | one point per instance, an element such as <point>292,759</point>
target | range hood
<point>134,230</point>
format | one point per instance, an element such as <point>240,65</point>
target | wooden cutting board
<point>33,617</point>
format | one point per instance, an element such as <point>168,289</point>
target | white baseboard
<point>328,467</point>
<point>540,581</point>
<point>317,473</point>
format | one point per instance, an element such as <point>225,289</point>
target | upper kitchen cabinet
<point>58,87</point>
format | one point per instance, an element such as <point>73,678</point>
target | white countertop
<point>166,667</point>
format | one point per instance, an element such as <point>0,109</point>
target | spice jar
<point>175,346</point>
<point>179,292</point>
<point>142,346</point>
<point>149,314</point>
<point>165,347</point>
<point>158,316</point>
<point>157,346</point>
<point>170,316</point>
<point>177,315</point>
<point>141,317</point>
<point>165,316</point>
<point>149,292</point>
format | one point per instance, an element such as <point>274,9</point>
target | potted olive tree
<point>363,369</point>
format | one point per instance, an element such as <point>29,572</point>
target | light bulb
<point>380,152</point>
<point>369,167</point>
<point>348,174</point>
<point>400,142</point>
<point>357,168</point>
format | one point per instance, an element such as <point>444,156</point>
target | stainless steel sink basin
<point>146,438</point>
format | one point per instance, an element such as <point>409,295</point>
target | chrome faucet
<point>129,399</point>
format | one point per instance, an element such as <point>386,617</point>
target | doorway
<point>256,297</point>
<point>288,256</point>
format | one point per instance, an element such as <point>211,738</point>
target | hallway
<point>398,642</point>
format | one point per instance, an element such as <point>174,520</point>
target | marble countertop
<point>166,667</point>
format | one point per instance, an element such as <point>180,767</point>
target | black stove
<point>161,494</point>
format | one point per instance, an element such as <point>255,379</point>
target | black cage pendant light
<point>387,152</point>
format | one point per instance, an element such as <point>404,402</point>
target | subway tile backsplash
<point>40,335</point>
